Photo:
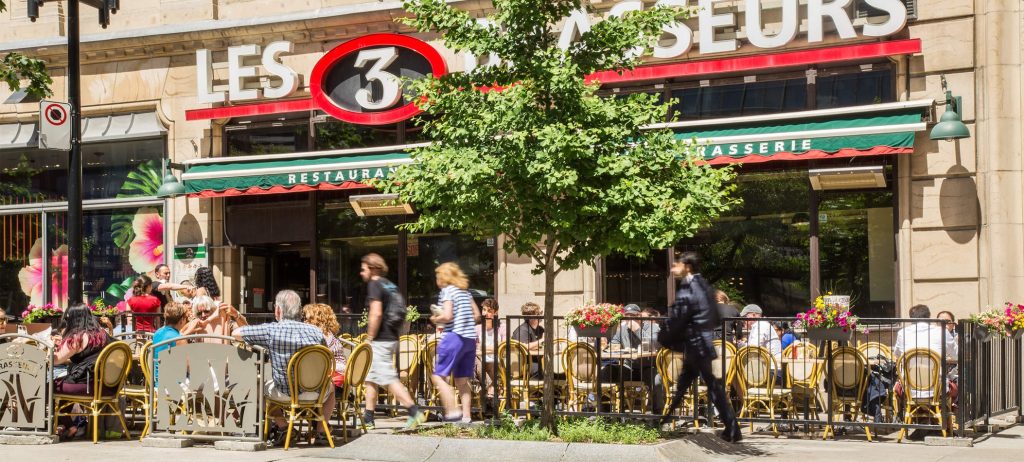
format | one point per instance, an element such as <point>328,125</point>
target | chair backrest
<point>920,371</point>
<point>111,369</point>
<point>146,363</point>
<point>429,356</point>
<point>409,354</point>
<point>580,364</point>
<point>310,370</point>
<point>872,350</point>
<point>561,344</point>
<point>730,360</point>
<point>669,364</point>
<point>358,365</point>
<point>801,349</point>
<point>518,367</point>
<point>849,373</point>
<point>754,366</point>
<point>802,365</point>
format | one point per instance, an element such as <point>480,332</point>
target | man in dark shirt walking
<point>690,328</point>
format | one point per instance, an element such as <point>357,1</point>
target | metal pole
<point>74,225</point>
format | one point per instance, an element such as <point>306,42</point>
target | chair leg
<point>95,425</point>
<point>327,430</point>
<point>124,425</point>
<point>288,434</point>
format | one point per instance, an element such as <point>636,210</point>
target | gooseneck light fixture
<point>171,187</point>
<point>951,126</point>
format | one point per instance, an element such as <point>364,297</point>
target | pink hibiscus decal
<point>31,276</point>
<point>147,249</point>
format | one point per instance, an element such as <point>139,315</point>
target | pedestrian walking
<point>386,316</point>
<point>690,329</point>
<point>456,353</point>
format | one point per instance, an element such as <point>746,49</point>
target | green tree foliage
<point>15,67</point>
<point>527,149</point>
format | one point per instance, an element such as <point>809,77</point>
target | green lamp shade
<point>950,127</point>
<point>171,187</point>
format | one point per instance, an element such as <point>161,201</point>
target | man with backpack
<point>383,324</point>
<point>692,320</point>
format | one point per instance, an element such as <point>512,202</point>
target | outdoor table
<point>621,356</point>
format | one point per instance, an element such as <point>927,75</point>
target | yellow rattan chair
<point>755,368</point>
<point>408,359</point>
<point>848,380</point>
<point>920,373</point>
<point>136,395</point>
<point>109,374</point>
<point>803,373</point>
<point>429,361</point>
<point>872,350</point>
<point>356,369</point>
<point>581,369</point>
<point>516,375</point>
<point>309,380</point>
<point>669,364</point>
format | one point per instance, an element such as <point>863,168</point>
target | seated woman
<point>81,342</point>
<point>322,317</point>
<point>219,318</point>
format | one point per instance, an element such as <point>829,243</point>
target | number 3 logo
<point>390,83</point>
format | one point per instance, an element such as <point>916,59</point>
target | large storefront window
<point>109,170</point>
<point>855,89</point>
<point>20,252</point>
<point>639,280</point>
<point>740,99</point>
<point>117,245</point>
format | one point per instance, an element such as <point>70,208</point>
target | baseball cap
<point>632,308</point>
<point>751,308</point>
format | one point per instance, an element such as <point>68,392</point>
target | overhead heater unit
<point>824,179</point>
<point>376,205</point>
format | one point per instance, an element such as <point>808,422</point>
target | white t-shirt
<point>924,335</point>
<point>762,334</point>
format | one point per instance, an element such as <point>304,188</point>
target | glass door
<point>255,280</point>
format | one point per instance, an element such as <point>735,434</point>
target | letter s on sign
<point>392,86</point>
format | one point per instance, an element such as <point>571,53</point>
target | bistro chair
<point>429,361</point>
<point>920,370</point>
<point>109,374</point>
<point>803,371</point>
<point>872,350</point>
<point>561,344</point>
<point>515,375</point>
<point>136,392</point>
<point>847,383</point>
<point>146,364</point>
<point>309,380</point>
<point>581,369</point>
<point>407,363</point>
<point>351,396</point>
<point>755,368</point>
<point>669,364</point>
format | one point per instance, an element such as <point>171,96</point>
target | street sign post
<point>54,125</point>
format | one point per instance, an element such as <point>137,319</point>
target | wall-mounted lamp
<point>171,187</point>
<point>951,126</point>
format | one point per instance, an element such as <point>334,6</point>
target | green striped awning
<point>280,173</point>
<point>869,130</point>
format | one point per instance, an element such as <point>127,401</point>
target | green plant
<point>363,319</point>
<point>828,316</point>
<point>603,431</point>
<point>412,314</point>
<point>994,320</point>
<point>143,181</point>
<point>37,313</point>
<point>506,429</point>
<point>603,315</point>
<point>446,431</point>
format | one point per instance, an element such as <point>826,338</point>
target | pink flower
<point>31,277</point>
<point>147,249</point>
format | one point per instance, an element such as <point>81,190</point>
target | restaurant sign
<point>338,176</point>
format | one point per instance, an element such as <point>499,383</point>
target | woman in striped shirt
<point>456,353</point>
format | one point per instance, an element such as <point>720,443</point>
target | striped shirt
<point>462,322</point>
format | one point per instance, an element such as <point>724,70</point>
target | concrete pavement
<point>1005,446</point>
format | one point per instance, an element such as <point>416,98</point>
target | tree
<point>15,67</point>
<point>528,150</point>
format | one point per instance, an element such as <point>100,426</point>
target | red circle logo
<point>55,114</point>
<point>360,81</point>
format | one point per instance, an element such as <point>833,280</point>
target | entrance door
<point>273,268</point>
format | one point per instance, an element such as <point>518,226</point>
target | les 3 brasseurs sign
<point>360,81</point>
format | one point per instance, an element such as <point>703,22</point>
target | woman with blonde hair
<point>456,353</point>
<point>322,317</point>
<point>220,318</point>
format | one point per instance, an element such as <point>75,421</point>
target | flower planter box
<point>982,333</point>
<point>1017,334</point>
<point>829,334</point>
<point>596,331</point>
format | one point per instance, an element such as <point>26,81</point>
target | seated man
<point>531,334</point>
<point>283,339</point>
<point>762,334</point>
<point>924,335</point>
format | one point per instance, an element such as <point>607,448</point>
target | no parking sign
<point>54,126</point>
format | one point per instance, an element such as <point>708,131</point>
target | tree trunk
<point>548,411</point>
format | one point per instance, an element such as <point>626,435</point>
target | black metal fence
<point>990,376</point>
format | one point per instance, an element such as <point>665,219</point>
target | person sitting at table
<point>81,341</point>
<point>531,334</point>
<point>785,333</point>
<point>924,335</point>
<point>628,334</point>
<point>650,328</point>
<point>322,317</point>
<point>221,319</point>
<point>144,303</point>
<point>760,333</point>
<point>178,322</point>
<point>486,332</point>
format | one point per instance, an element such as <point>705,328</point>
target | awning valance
<point>832,133</point>
<point>98,129</point>
<point>279,173</point>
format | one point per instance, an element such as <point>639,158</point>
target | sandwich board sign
<point>54,125</point>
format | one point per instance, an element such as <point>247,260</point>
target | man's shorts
<point>456,356</point>
<point>382,368</point>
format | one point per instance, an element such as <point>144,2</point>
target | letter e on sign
<point>54,126</point>
<point>360,81</point>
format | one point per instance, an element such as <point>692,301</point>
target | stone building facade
<point>955,239</point>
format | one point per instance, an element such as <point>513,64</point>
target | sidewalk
<point>384,447</point>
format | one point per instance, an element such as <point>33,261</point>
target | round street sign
<point>56,115</point>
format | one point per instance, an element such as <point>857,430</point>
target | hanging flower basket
<point>1017,334</point>
<point>595,331</point>
<point>829,334</point>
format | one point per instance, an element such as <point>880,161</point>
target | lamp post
<point>74,223</point>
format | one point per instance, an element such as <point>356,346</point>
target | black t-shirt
<point>526,334</point>
<point>375,291</point>
<point>160,295</point>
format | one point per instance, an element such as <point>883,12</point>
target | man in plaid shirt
<point>283,339</point>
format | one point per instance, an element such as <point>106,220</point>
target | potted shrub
<point>827,320</point>
<point>595,320</point>
<point>100,309</point>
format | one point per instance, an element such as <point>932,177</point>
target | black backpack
<point>395,310</point>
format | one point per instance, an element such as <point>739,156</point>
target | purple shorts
<point>456,356</point>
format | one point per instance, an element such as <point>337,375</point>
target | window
<point>280,137</point>
<point>20,281</point>
<point>109,170</point>
<point>855,89</point>
<point>740,99</point>
<point>639,280</point>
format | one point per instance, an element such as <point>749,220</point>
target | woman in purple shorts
<point>456,353</point>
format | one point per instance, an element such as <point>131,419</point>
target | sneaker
<point>415,420</point>
<point>368,421</point>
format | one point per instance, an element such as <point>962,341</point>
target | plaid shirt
<point>283,339</point>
